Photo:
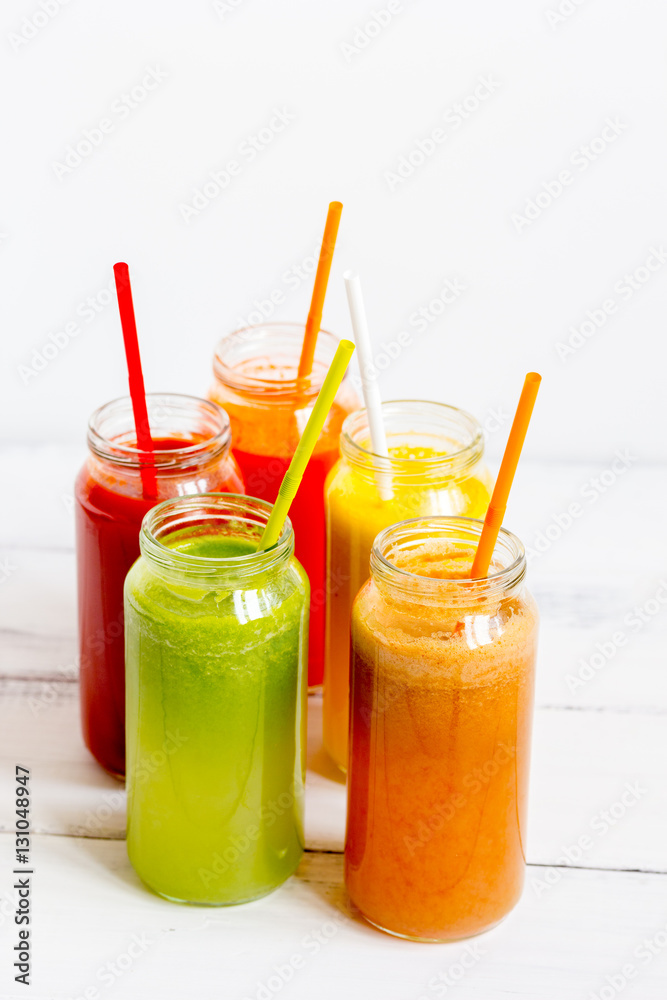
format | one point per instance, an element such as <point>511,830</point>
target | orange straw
<point>319,289</point>
<point>497,506</point>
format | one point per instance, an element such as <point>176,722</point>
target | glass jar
<point>216,702</point>
<point>435,468</point>
<point>256,381</point>
<point>192,441</point>
<point>441,709</point>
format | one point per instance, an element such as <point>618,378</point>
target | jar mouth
<point>414,537</point>
<point>264,360</point>
<point>203,426</point>
<point>227,514</point>
<point>454,436</point>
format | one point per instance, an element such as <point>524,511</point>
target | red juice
<point>110,507</point>
<point>309,530</point>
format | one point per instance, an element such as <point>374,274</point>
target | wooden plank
<point>90,908</point>
<point>40,513</point>
<point>583,761</point>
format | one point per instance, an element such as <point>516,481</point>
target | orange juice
<point>435,467</point>
<point>256,376</point>
<point>442,695</point>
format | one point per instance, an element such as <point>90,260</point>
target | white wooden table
<point>592,921</point>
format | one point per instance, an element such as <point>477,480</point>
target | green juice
<point>216,701</point>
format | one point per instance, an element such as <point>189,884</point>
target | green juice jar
<point>216,636</point>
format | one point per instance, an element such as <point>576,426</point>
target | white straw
<point>369,385</point>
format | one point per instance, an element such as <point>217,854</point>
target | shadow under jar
<point>216,702</point>
<point>441,710</point>
<point>192,455</point>
<point>256,381</point>
<point>435,467</point>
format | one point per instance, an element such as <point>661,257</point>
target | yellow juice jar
<point>435,467</point>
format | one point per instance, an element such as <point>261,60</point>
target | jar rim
<point>232,377</point>
<point>454,591</point>
<point>181,512</point>
<point>108,448</point>
<point>445,417</point>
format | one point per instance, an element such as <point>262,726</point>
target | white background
<point>355,114</point>
<point>598,574</point>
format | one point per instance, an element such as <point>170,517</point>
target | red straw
<point>136,378</point>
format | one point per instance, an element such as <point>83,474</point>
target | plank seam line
<point>311,850</point>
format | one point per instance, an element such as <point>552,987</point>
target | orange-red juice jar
<point>441,707</point>
<point>435,467</point>
<point>256,382</point>
<point>191,438</point>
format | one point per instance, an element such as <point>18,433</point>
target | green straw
<point>306,446</point>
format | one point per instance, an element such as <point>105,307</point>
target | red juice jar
<point>256,381</point>
<point>192,455</point>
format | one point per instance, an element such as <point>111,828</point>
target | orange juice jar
<point>256,382</point>
<point>441,706</point>
<point>435,467</point>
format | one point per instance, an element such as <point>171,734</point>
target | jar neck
<point>428,442</point>
<point>261,363</point>
<point>427,561</point>
<point>188,433</point>
<point>189,519</point>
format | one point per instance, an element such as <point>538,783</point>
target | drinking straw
<point>319,289</point>
<point>498,504</point>
<point>135,376</point>
<point>369,386</point>
<point>304,449</point>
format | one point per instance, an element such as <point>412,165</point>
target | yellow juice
<point>435,467</point>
